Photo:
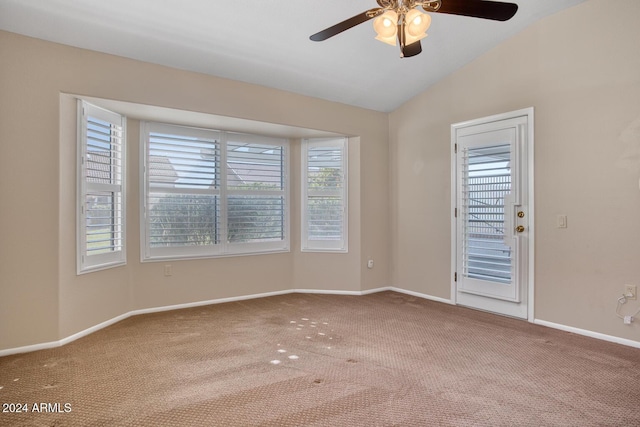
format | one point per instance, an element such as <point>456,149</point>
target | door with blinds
<point>491,215</point>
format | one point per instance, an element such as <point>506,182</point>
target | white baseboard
<point>419,295</point>
<point>337,292</point>
<point>67,340</point>
<point>206,302</point>
<point>324,292</point>
<point>93,329</point>
<point>587,333</point>
<point>376,290</point>
<point>30,348</point>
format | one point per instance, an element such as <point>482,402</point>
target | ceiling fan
<point>401,19</point>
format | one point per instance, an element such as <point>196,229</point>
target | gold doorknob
<point>520,214</point>
<point>520,228</point>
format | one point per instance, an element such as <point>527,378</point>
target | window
<point>101,189</point>
<point>212,193</point>
<point>324,195</point>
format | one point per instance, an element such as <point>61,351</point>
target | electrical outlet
<point>631,291</point>
<point>168,270</point>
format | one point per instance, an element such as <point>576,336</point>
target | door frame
<point>525,112</point>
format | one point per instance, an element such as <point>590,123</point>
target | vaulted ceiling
<point>266,42</point>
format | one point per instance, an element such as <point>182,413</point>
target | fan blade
<point>345,25</point>
<point>412,50</point>
<point>497,11</point>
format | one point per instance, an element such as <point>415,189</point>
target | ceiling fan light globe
<point>417,23</point>
<point>388,40</point>
<point>386,27</point>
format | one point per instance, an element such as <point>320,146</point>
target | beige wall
<point>580,70</point>
<point>42,299</point>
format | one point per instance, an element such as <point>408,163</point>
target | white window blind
<point>183,191</point>
<point>212,193</point>
<point>256,191</point>
<point>486,180</point>
<point>324,198</point>
<point>101,198</point>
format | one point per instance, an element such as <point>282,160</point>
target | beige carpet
<point>385,359</point>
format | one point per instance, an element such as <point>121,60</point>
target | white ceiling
<point>266,42</point>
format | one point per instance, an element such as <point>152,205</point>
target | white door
<point>492,213</point>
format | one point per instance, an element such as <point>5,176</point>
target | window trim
<point>333,246</point>
<point>86,263</point>
<point>223,248</point>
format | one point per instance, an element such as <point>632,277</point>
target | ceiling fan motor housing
<point>404,6</point>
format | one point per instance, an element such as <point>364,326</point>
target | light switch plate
<point>562,221</point>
